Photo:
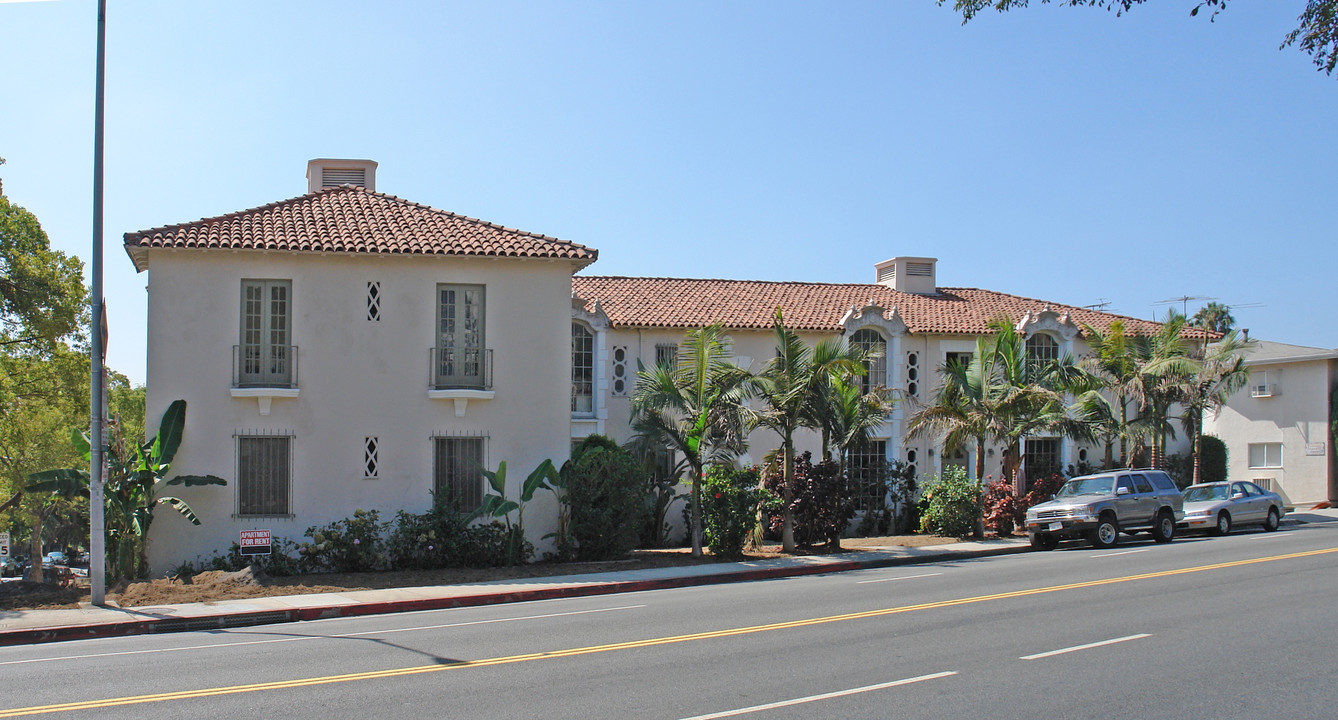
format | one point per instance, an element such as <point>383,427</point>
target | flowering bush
<point>951,504</point>
<point>1005,511</point>
<point>730,501</point>
<point>349,545</point>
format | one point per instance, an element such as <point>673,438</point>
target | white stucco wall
<point>1296,415</point>
<point>357,378</point>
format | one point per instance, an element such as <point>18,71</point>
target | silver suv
<point>1099,507</point>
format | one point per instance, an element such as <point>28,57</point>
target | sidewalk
<point>21,627</point>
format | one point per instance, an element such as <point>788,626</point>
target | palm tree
<point>1220,372</point>
<point>1003,396</point>
<point>846,415</point>
<point>1112,365</point>
<point>790,386</point>
<point>1214,317</point>
<point>694,407</point>
<point>1161,365</point>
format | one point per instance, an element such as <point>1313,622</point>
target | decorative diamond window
<point>370,458</point>
<point>374,301</point>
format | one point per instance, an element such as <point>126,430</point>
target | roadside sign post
<point>4,544</point>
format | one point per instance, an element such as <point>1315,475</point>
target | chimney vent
<point>908,274</point>
<point>327,173</point>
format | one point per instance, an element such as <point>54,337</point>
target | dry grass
<point>212,586</point>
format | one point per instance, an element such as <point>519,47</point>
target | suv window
<point>1142,483</point>
<point>1125,483</point>
<point>1161,480</point>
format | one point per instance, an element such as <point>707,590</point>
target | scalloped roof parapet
<point>349,219</point>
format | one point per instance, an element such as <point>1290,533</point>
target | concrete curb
<point>28,636</point>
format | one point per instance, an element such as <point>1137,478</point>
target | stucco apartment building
<point>348,349</point>
<point>1279,428</point>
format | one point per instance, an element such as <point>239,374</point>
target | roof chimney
<point>326,173</point>
<point>908,274</point>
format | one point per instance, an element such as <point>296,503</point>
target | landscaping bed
<point>218,585</point>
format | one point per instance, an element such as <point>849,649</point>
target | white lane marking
<point>824,696</point>
<point>904,577</point>
<point>317,637</point>
<point>1122,552</point>
<point>1088,646</point>
<point>1265,536</point>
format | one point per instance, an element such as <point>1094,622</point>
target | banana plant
<point>497,506</point>
<point>136,478</point>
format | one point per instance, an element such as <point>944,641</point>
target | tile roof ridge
<point>1056,306</point>
<point>226,216</point>
<point>465,218</point>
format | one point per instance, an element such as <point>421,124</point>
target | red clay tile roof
<point>351,219</point>
<point>751,304</point>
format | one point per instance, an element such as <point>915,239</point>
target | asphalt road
<point>1237,627</point>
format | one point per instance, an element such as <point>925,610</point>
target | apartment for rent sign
<point>256,542</point>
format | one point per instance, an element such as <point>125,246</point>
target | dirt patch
<point>217,585</point>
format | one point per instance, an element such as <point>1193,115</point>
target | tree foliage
<point>42,295</point>
<point>1214,317</point>
<point>1316,33</point>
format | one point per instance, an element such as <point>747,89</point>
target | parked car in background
<point>55,557</point>
<point>9,567</point>
<point>1218,507</point>
<point>1099,507</point>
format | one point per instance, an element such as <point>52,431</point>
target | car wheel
<point>1272,522</point>
<point>1044,541</point>
<point>1223,523</point>
<point>1164,530</point>
<point>1106,533</point>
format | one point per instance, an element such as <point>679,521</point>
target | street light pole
<point>97,565</point>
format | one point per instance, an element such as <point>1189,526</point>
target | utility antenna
<point>1184,302</point>
<point>1100,305</point>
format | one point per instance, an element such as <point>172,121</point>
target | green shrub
<point>443,537</point>
<point>349,545</point>
<point>821,507</point>
<point>1180,466</point>
<point>605,495</point>
<point>952,504</point>
<point>730,501</point>
<point>1212,459</point>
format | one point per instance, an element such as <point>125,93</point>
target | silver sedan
<point>1218,507</point>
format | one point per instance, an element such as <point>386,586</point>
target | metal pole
<point>97,565</point>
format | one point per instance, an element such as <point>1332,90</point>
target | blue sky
<point>1053,152</point>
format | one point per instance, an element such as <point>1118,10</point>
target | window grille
<point>866,468</point>
<point>1042,348</point>
<point>264,472</point>
<point>1042,458</point>
<point>457,477</point>
<point>667,354</point>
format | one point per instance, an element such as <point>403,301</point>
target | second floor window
<point>460,359</point>
<point>875,367</point>
<point>582,370</point>
<point>1042,349</point>
<point>265,354</point>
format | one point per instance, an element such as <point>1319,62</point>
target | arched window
<point>582,369</point>
<point>871,342</point>
<point>1042,348</point>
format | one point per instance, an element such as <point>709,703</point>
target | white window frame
<point>1268,458</point>
<point>582,370</point>
<point>870,340</point>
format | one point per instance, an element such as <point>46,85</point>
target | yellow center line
<point>591,649</point>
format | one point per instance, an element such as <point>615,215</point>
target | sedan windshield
<point>1210,492</point>
<point>1099,485</point>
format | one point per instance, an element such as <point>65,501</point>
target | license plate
<point>1056,526</point>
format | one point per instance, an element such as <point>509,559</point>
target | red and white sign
<point>256,542</point>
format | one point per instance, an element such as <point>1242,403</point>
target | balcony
<point>264,372</point>
<point>460,375</point>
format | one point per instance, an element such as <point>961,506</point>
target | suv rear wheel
<point>1164,529</point>
<point>1106,533</point>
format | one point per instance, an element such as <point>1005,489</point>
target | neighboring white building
<point>1279,429</point>
<point>348,349</point>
